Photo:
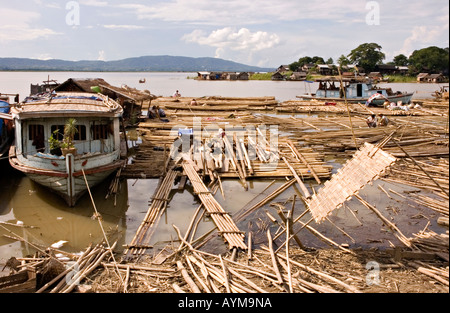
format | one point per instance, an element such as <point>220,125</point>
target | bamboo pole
<point>394,228</point>
<point>299,181</point>
<point>274,260</point>
<point>187,278</point>
<point>302,158</point>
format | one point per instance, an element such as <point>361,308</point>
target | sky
<point>263,33</point>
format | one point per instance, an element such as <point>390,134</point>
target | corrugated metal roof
<point>74,103</point>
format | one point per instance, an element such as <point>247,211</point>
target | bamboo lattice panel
<point>365,166</point>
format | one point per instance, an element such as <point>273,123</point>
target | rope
<point>346,104</point>
<point>101,226</point>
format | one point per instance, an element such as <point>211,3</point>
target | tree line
<point>369,55</point>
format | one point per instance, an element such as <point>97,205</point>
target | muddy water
<point>25,202</point>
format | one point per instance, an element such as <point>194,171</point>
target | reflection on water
<point>51,220</point>
<point>24,201</point>
<point>164,84</point>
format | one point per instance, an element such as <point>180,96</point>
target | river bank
<point>405,196</point>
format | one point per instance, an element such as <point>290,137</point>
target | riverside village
<point>115,188</point>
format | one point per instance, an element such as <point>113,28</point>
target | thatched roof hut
<point>131,99</point>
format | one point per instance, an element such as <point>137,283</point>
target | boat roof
<point>344,79</point>
<point>67,104</point>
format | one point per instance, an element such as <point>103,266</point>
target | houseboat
<point>356,91</point>
<point>40,122</point>
<point>6,129</point>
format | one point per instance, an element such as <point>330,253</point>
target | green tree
<point>431,59</point>
<point>305,60</point>
<point>401,60</point>
<point>329,61</point>
<point>343,61</point>
<point>367,55</point>
<point>317,60</point>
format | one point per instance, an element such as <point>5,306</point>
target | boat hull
<point>71,181</point>
<point>405,98</point>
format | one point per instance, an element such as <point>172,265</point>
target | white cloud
<point>227,40</point>
<point>93,3</point>
<point>16,26</point>
<point>124,27</point>
<point>422,36</point>
<point>101,55</point>
<point>246,12</point>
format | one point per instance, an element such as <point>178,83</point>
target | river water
<point>48,220</point>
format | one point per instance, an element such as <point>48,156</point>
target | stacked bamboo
<point>218,104</point>
<point>209,273</point>
<point>61,272</point>
<point>431,175</point>
<point>160,200</point>
<point>227,228</point>
<point>82,268</point>
<point>418,140</point>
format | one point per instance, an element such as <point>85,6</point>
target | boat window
<point>359,90</point>
<point>35,131</point>
<point>100,131</point>
<point>80,134</point>
<point>59,135</point>
<point>36,134</point>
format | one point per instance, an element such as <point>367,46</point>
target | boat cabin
<point>330,88</point>
<point>97,133</point>
<point>93,135</point>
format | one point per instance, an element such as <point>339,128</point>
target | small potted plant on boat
<point>70,129</point>
<point>55,144</point>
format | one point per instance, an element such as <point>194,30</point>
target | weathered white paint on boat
<point>97,155</point>
<point>356,90</point>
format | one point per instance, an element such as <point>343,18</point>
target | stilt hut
<point>129,98</point>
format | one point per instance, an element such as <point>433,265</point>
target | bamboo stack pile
<point>209,273</point>
<point>426,108</point>
<point>160,200</point>
<point>310,107</point>
<point>217,103</point>
<point>417,140</point>
<point>150,158</point>
<point>430,241</point>
<point>90,260</point>
<point>227,228</point>
<point>431,175</point>
<point>61,272</point>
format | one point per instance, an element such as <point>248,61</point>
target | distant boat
<point>356,91</point>
<point>47,86</point>
<point>142,80</point>
<point>97,141</point>
<point>6,126</point>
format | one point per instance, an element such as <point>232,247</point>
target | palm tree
<point>70,129</point>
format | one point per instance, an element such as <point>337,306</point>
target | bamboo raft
<point>227,228</point>
<point>141,241</point>
<point>217,104</point>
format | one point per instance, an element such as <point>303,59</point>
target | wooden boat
<point>356,91</point>
<point>97,141</point>
<point>22,282</point>
<point>6,129</point>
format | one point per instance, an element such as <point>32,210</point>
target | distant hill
<point>162,63</point>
